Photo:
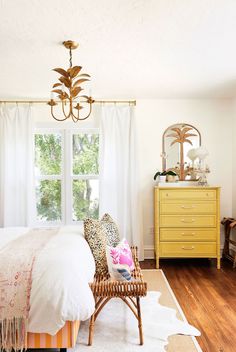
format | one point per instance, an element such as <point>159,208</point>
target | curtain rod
<point>131,102</point>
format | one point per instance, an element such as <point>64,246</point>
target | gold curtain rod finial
<point>70,44</point>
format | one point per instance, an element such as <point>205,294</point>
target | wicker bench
<point>129,291</point>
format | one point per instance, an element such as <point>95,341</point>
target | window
<point>66,175</point>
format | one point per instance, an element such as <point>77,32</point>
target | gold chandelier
<point>68,90</point>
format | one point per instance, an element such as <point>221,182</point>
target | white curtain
<point>16,146</point>
<point>119,191</point>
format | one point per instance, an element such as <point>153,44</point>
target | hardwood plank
<point>207,297</point>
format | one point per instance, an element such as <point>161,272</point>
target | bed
<point>60,294</point>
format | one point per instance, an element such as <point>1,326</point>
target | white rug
<point>116,328</point>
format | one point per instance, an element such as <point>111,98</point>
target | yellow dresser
<point>187,222</point>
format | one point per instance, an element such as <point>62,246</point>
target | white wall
<point>234,169</point>
<point>234,161</point>
<point>214,120</point>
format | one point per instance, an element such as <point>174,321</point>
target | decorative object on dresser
<point>187,222</point>
<point>177,140</point>
<point>229,223</point>
<point>202,169</point>
<point>160,176</point>
<point>169,176</point>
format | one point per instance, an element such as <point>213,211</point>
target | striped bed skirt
<point>65,338</point>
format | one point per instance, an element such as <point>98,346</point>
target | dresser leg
<point>218,263</point>
<point>157,263</point>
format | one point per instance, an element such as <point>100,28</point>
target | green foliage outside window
<point>84,205</point>
<point>48,154</point>
<point>85,154</point>
<point>48,196</point>
<point>85,162</point>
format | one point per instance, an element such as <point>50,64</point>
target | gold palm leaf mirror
<point>177,141</point>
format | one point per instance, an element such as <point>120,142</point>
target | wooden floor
<point>207,297</point>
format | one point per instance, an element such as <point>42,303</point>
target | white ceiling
<point>131,48</point>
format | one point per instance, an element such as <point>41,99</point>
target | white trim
<point>46,130</point>
<point>85,177</point>
<point>177,305</point>
<point>65,126</point>
<point>49,177</point>
<point>66,177</point>
<point>149,252</point>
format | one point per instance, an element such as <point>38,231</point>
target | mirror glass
<point>177,141</point>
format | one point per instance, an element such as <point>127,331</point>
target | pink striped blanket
<point>16,265</point>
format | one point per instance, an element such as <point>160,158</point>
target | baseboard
<point>149,251</point>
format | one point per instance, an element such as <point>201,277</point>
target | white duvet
<point>62,271</point>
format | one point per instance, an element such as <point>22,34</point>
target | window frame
<point>66,176</point>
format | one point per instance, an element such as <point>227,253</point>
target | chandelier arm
<point>63,109</point>
<point>74,118</point>
<point>90,110</point>
<point>56,117</point>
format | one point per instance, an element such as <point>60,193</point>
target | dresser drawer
<point>188,235</point>
<point>187,220</point>
<point>187,249</point>
<point>191,194</point>
<point>188,207</point>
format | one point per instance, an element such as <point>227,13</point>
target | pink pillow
<point>120,255</point>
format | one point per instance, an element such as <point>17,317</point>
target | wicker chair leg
<point>91,330</point>
<point>139,321</point>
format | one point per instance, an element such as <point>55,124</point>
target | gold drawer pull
<point>188,207</point>
<point>188,221</point>
<point>188,234</point>
<point>188,248</point>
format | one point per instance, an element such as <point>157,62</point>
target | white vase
<point>162,178</point>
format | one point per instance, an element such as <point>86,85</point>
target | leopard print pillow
<point>112,232</point>
<point>95,234</point>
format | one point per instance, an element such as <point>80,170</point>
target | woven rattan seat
<point>104,289</point>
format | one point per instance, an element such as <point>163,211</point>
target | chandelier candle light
<point>68,89</point>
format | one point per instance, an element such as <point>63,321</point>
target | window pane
<point>85,154</point>
<point>85,199</point>
<point>48,200</point>
<point>48,154</point>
